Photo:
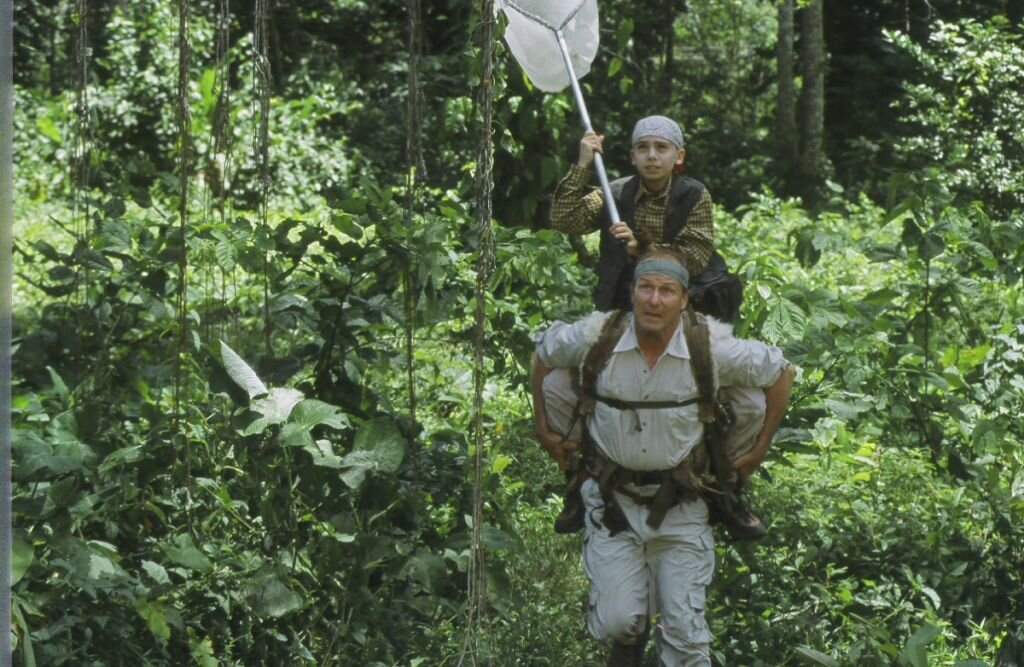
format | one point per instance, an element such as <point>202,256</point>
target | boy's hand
<point>589,144</point>
<point>624,234</point>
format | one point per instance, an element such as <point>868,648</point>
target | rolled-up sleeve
<point>574,209</point>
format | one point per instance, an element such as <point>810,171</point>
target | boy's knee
<point>626,629</point>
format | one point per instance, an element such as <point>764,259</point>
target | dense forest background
<point>277,269</point>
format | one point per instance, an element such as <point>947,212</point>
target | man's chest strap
<point>645,405</point>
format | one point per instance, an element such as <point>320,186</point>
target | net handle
<point>602,176</point>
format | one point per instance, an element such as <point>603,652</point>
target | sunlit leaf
<point>241,373</point>
<point>311,412</point>
<point>156,572</point>
<point>809,656</point>
<point>156,618</point>
<point>274,408</point>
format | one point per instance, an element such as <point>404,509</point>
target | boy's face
<point>654,159</point>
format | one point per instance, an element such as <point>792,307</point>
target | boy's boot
<point>570,519</point>
<point>731,511</point>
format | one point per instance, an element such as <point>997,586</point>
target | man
<point>640,564</point>
<point>658,204</point>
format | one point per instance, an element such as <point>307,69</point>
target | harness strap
<point>619,404</point>
<point>675,485</point>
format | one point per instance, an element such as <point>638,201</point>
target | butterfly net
<point>531,35</point>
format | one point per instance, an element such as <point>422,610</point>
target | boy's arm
<point>696,240</point>
<point>556,445</point>
<point>776,397</point>
<point>574,209</point>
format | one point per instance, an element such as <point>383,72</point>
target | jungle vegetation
<point>277,270</point>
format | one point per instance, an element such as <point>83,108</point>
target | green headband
<point>663,267</point>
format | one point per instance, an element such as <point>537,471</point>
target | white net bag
<point>532,37</point>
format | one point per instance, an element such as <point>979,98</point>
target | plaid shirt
<point>576,211</point>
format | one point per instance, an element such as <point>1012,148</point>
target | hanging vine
<point>81,174</point>
<point>261,146</point>
<point>184,124</point>
<point>484,177</point>
<point>413,167</point>
<point>218,182</point>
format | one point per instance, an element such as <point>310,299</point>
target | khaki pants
<point>644,573</point>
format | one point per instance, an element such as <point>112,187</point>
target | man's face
<point>654,159</point>
<point>658,301</point>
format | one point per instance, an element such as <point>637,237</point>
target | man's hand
<point>557,449</point>
<point>589,144</point>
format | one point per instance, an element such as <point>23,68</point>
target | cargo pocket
<point>694,628</point>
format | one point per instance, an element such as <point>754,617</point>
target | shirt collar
<point>676,346</point>
<point>643,192</point>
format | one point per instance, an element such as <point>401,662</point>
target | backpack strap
<point>597,358</point>
<point>593,363</point>
<point>710,412</point>
<point>698,340</point>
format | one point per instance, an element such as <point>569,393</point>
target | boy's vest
<point>714,291</point>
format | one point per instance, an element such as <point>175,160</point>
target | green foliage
<point>229,467</point>
<point>965,109</point>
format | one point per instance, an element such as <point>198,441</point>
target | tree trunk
<point>787,151</point>
<point>812,102</point>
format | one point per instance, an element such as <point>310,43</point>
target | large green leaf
<point>809,656</point>
<point>156,618</point>
<point>915,653</point>
<point>268,596</point>
<point>311,412</point>
<point>156,571</point>
<point>182,550</point>
<point>201,650</point>
<point>323,454</point>
<point>241,373</point>
<point>496,539</point>
<point>848,408</point>
<point>38,459</point>
<point>785,321</point>
<point>379,446</point>
<point>274,408</point>
<point>22,555</point>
